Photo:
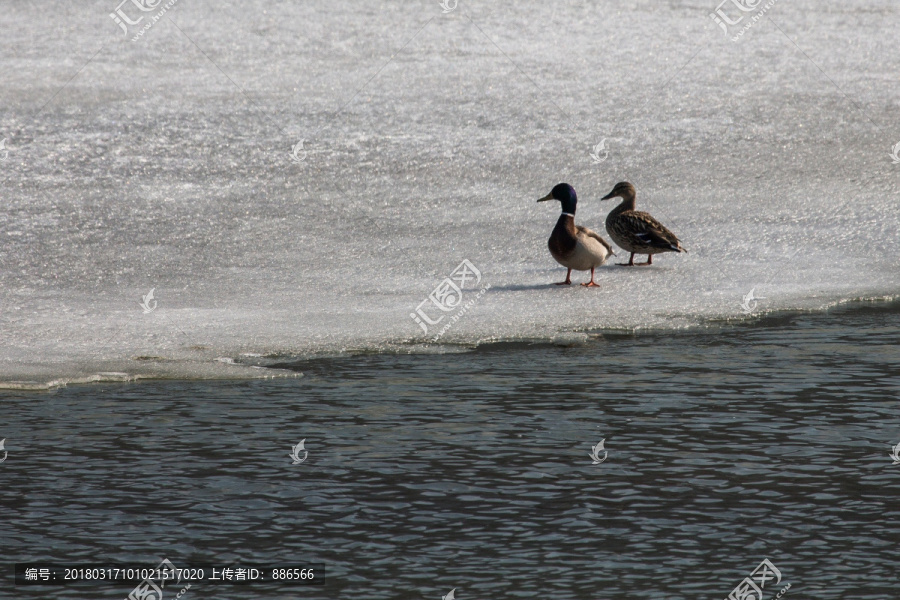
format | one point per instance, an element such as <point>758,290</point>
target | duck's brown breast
<point>562,239</point>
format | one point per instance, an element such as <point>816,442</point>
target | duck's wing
<point>651,232</point>
<point>592,234</point>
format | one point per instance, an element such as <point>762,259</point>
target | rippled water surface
<point>472,471</point>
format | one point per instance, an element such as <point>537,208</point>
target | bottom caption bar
<point>150,581</point>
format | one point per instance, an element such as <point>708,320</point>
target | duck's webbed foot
<point>591,283</point>
<point>630,262</point>
<point>568,280</point>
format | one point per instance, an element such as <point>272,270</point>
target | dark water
<point>471,471</point>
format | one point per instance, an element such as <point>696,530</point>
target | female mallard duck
<point>574,246</point>
<point>635,231</point>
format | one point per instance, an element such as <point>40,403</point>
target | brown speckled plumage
<point>636,231</point>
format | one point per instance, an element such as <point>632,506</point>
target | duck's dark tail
<point>651,238</point>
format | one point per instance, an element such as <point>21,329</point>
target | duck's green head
<point>623,190</point>
<point>565,193</point>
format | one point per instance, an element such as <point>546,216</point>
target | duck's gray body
<point>576,247</point>
<point>573,246</point>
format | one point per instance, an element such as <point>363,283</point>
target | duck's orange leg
<point>591,282</point>
<point>568,280</point>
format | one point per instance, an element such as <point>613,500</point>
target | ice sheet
<point>166,164</point>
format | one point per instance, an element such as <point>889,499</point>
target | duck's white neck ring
<point>567,215</point>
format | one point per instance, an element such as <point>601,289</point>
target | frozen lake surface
<point>165,164</point>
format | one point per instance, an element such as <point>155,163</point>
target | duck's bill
<point>545,198</point>
<point>608,196</point>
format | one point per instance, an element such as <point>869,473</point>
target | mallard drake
<point>574,246</point>
<point>635,231</point>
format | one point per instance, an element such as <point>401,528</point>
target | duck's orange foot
<point>568,280</point>
<point>590,284</point>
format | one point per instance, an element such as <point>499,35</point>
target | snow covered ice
<point>427,137</point>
